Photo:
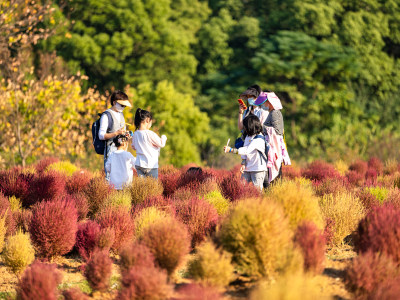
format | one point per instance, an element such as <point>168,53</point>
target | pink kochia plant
<point>319,170</point>
<point>234,188</point>
<point>75,294</point>
<point>46,186</point>
<point>194,291</point>
<point>379,232</point>
<point>39,282</point>
<point>359,166</point>
<point>98,271</point>
<point>368,271</point>
<point>169,242</point>
<point>86,238</point>
<point>6,210</point>
<point>141,282</point>
<point>121,221</point>
<point>135,254</point>
<point>169,183</point>
<point>312,244</point>
<point>200,217</point>
<point>78,182</point>
<point>53,227</point>
<point>14,183</point>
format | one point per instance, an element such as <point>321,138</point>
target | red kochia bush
<point>234,188</point>
<point>367,199</point>
<point>98,271</point>
<point>312,244</point>
<point>6,210</point>
<point>329,231</point>
<point>376,164</point>
<point>291,172</point>
<point>141,282</point>
<point>359,166</point>
<point>368,271</point>
<point>199,216</point>
<point>39,282</point>
<point>331,186</point>
<point>160,202</point>
<point>23,219</point>
<point>169,183</point>
<point>370,177</point>
<point>379,232</point>
<point>48,186</point>
<point>135,254</point>
<point>53,227</point>
<point>319,170</point>
<point>386,290</point>
<point>42,164</point>
<point>121,221</point>
<point>78,181</point>
<point>75,294</point>
<point>81,204</point>
<point>15,183</point>
<point>169,242</point>
<point>194,291</point>
<point>86,238</point>
<point>355,178</point>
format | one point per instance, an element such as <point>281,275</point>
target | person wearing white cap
<point>270,101</point>
<point>112,123</point>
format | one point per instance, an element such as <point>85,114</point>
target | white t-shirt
<point>254,160</point>
<point>147,145</point>
<point>119,165</point>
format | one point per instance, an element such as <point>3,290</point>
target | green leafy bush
<point>3,231</point>
<point>216,199</point>
<point>118,199</point>
<point>380,193</point>
<point>211,266</point>
<point>298,201</point>
<point>63,167</point>
<point>18,252</point>
<point>258,235</point>
<point>15,204</point>
<point>345,210</point>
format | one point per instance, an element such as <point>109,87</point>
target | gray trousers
<point>147,172</point>
<point>257,178</point>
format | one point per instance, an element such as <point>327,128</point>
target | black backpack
<point>100,145</point>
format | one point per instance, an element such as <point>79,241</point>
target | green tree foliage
<point>133,41</point>
<point>178,118</point>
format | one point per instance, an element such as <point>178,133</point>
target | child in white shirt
<point>120,164</point>
<point>147,145</point>
<point>253,151</point>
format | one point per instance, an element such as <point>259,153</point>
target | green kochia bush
<point>18,252</point>
<point>211,266</point>
<point>258,235</point>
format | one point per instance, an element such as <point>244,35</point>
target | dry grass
<point>346,210</point>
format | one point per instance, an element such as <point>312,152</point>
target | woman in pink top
<point>147,145</point>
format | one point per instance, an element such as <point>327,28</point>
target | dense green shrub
<point>211,266</point>
<point>18,252</point>
<point>257,234</point>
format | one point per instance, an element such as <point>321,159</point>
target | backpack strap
<point>262,155</point>
<point>110,120</point>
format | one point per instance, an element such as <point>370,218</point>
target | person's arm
<point>156,141</point>
<point>254,145</point>
<point>103,135</point>
<point>240,119</point>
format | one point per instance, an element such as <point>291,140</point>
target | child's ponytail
<point>140,116</point>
